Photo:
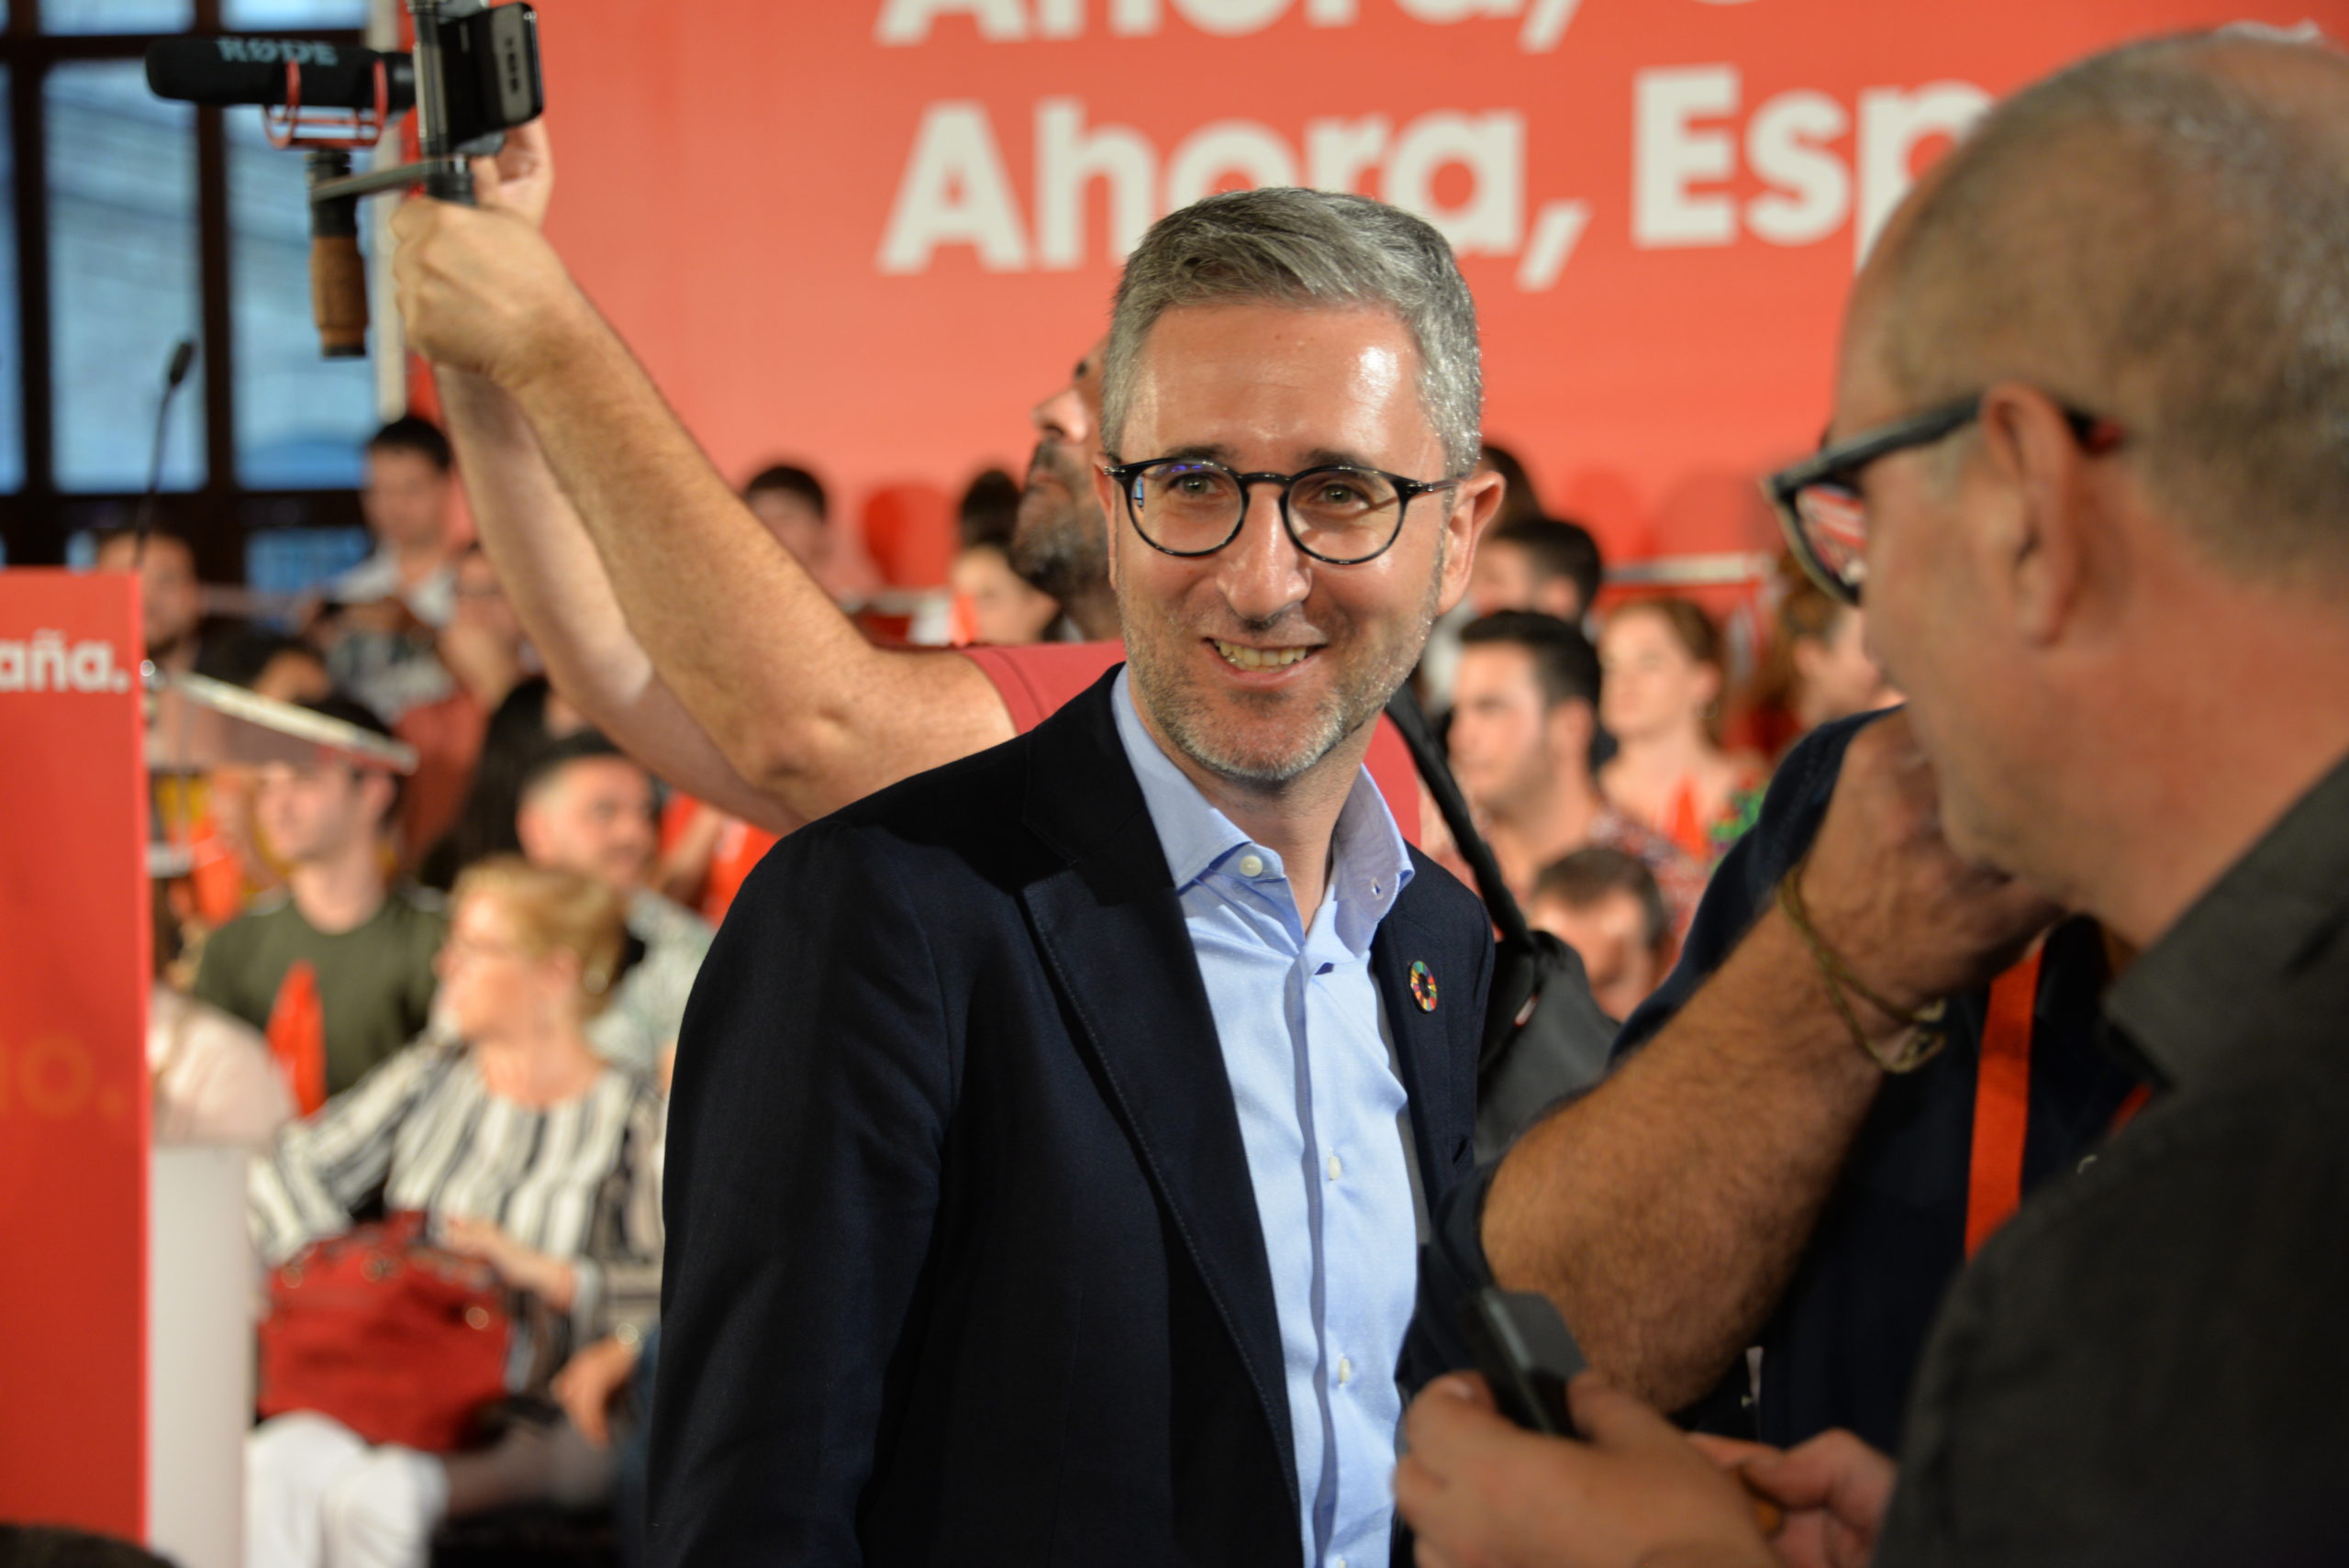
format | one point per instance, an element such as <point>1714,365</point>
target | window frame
<point>37,520</point>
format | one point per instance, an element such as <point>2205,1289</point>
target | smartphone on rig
<point>490,72</point>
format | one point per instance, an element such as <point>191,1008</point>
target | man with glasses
<point>1053,1132</point>
<point>2089,396</point>
<point>1768,1262</point>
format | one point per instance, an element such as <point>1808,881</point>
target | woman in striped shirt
<point>522,1147</point>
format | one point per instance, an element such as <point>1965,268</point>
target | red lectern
<point>75,936</point>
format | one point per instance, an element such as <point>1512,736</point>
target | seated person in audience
<point>1665,681</point>
<point>170,602</point>
<point>379,617</point>
<point>1817,668</point>
<point>212,813</point>
<point>792,503</point>
<point>1605,906</point>
<point>409,500</point>
<point>213,1078</point>
<point>1520,498</point>
<point>267,663</point>
<point>521,1147</point>
<point>1005,611</point>
<point>1525,708</point>
<point>519,728</point>
<point>586,809</point>
<point>994,603</point>
<point>1536,563</point>
<point>483,650</point>
<point>989,509</point>
<point>338,968</point>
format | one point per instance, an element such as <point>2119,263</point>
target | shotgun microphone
<point>226,70</point>
<point>175,373</point>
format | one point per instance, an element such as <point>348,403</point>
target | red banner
<point>871,233</point>
<point>73,1098</point>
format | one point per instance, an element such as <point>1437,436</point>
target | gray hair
<point>2161,236</point>
<point>1285,246</point>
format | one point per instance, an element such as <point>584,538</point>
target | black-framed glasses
<point>1818,500</point>
<point>1337,514</point>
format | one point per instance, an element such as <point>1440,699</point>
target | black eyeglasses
<point>1339,515</point>
<point>1818,500</point>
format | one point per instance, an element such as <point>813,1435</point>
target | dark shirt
<point>2151,1364</point>
<point>1845,1339</point>
<point>375,981</point>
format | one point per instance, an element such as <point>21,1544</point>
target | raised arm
<point>1666,1211</point>
<point>551,572</point>
<point>801,705</point>
<point>548,563</point>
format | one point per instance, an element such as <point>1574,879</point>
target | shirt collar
<point>1370,864</point>
<point>2186,1004</point>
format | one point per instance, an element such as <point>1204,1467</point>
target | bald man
<point>2087,429</point>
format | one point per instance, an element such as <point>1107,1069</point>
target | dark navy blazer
<point>963,1262</point>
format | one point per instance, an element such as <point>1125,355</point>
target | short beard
<point>1360,701</point>
<point>1057,546</point>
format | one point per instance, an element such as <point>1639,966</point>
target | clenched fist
<point>479,288</point>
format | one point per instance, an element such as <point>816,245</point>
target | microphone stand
<point>143,521</point>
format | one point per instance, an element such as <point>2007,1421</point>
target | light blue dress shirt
<point>1323,1119</point>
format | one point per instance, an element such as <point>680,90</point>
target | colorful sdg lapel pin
<point>1422,987</point>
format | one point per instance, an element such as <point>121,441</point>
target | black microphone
<point>252,71</point>
<point>182,358</point>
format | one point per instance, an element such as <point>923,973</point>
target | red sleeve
<point>1034,680</point>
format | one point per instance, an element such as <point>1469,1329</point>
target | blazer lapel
<point>1112,933</point>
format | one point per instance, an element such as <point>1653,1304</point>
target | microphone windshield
<point>252,71</point>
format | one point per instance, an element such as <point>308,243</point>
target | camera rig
<point>472,76</point>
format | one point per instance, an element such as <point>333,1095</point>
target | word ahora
<point>957,191</point>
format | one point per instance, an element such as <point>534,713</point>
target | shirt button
<point>1252,865</point>
<point>1345,1370</point>
<point>1336,1169</point>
